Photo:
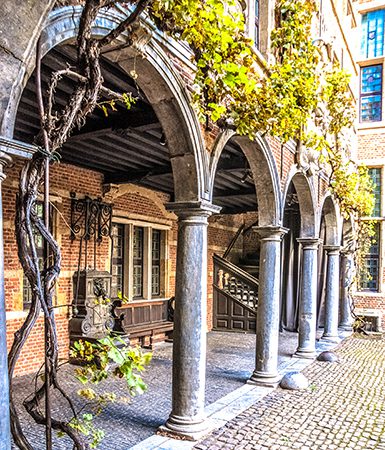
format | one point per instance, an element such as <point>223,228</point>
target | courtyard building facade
<point>189,229</point>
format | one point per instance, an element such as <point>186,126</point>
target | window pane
<point>117,259</point>
<point>371,108</point>
<point>371,93</point>
<point>155,271</point>
<point>256,29</point>
<point>39,244</point>
<point>138,262</point>
<point>369,276</point>
<point>371,79</point>
<point>375,175</point>
<point>372,37</point>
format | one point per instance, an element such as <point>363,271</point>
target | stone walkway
<point>344,408</point>
<point>230,362</point>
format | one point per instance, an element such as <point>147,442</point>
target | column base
<point>346,327</point>
<point>305,353</point>
<point>186,427</point>
<point>265,379</point>
<point>331,339</point>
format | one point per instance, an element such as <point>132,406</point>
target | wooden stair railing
<point>236,283</point>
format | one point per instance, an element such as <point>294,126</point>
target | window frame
<point>128,266</point>
<point>41,254</point>
<point>364,41</point>
<point>364,283</point>
<point>372,93</point>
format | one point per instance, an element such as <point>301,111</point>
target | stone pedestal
<point>347,267</point>
<point>308,299</point>
<point>92,318</point>
<point>332,293</point>
<point>187,418</point>
<point>266,364</point>
<point>5,440</point>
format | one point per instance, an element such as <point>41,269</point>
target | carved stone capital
<point>332,249</point>
<point>194,211</point>
<point>309,243</point>
<point>270,233</point>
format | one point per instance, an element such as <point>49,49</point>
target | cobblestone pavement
<point>344,408</point>
<point>230,362</point>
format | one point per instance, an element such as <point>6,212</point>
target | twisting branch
<point>56,127</point>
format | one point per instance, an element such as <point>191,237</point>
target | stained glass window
<point>372,37</point>
<point>371,94</point>
<point>375,175</point>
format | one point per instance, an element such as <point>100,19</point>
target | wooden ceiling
<point>129,145</point>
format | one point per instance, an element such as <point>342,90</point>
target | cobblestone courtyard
<point>230,362</point>
<point>344,408</point>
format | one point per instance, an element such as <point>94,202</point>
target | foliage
<point>101,360</point>
<point>299,87</point>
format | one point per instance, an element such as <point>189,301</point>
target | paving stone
<point>230,362</point>
<point>343,411</point>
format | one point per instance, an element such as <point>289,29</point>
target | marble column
<point>5,440</point>
<point>307,327</point>
<point>190,320</point>
<point>266,364</point>
<point>332,293</point>
<point>347,278</point>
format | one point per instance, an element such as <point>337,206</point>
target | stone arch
<point>159,81</point>
<point>306,199</point>
<point>263,168</point>
<point>330,214</point>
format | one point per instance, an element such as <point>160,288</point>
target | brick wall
<point>64,179</point>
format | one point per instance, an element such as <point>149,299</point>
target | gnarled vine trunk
<point>56,127</point>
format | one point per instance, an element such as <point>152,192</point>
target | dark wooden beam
<point>136,176</point>
<point>234,163</point>
<point>222,194</point>
<point>241,210</point>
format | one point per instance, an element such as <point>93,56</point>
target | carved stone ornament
<point>307,160</point>
<point>92,317</point>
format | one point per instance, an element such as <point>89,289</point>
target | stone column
<point>266,364</point>
<point>5,440</point>
<point>332,293</point>
<point>190,320</point>
<point>308,299</point>
<point>347,278</point>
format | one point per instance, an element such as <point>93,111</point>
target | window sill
<point>365,126</point>
<point>375,294</point>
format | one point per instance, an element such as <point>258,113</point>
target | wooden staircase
<point>235,297</point>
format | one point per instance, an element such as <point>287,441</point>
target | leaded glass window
<point>256,27</point>
<point>39,245</point>
<point>372,37</point>
<point>138,262</point>
<point>375,175</point>
<point>371,93</point>
<point>155,268</point>
<point>117,263</point>
<point>369,277</point>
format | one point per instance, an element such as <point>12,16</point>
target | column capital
<point>332,249</point>
<point>5,160</point>
<point>309,243</point>
<point>270,233</point>
<point>199,210</point>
